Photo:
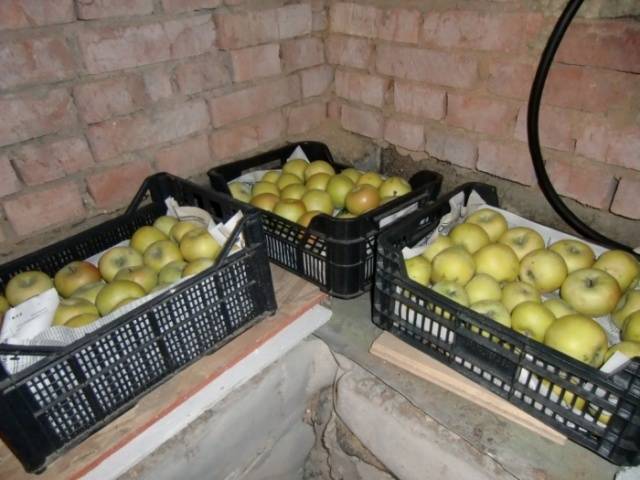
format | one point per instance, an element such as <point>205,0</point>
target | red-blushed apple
<point>318,166</point>
<point>532,319</point>
<point>515,293</point>
<point>318,182</point>
<point>295,191</point>
<point>73,276</point>
<point>113,294</point>
<point>558,307</point>
<point>576,254</point>
<point>418,269</point>
<point>362,199</point>
<point>318,200</point>
<point>292,210</point>
<point>631,328</point>
<point>370,178</point>
<point>287,179</point>
<point>171,272</point>
<point>265,201</point>
<point>544,269</point>
<point>271,176</point>
<point>265,187</point>
<point>26,285</point>
<point>394,187</point>
<point>629,303</point>
<point>483,287</point>
<point>116,258</point>
<point>579,337</point>
<point>296,166</point>
<point>352,173</point>
<point>145,236</point>
<point>165,223</point>
<point>591,292</point>
<point>144,276</point>
<point>620,265</point>
<point>491,221</point>
<point>71,307</point>
<point>82,320</point>
<point>522,240</point>
<point>470,236</point>
<point>161,253</point>
<point>338,188</point>
<point>497,260</point>
<point>454,264</point>
<point>630,348</point>
<point>89,291</point>
<point>181,228</point>
<point>197,266</point>
<point>441,243</point>
<point>239,191</point>
<point>199,244</point>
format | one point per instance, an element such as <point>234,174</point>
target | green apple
<point>271,176</point>
<point>591,292</point>
<point>483,287</point>
<point>240,191</point>
<point>305,219</point>
<point>165,223</point>
<point>73,276</point>
<point>522,240</point>
<point>89,291</point>
<point>493,309</point>
<point>181,228</point>
<point>265,201</point>
<point>266,187</point>
<point>497,260</point>
<point>71,307</point>
<point>544,269</point>
<point>470,236</point>
<point>453,291</point>
<point>318,200</point>
<point>113,294</point>
<point>352,173</point>
<point>144,276</point>
<point>631,329</point>
<point>576,254</point>
<point>370,178</point>
<point>394,187</point>
<point>629,303</point>
<point>82,320</point>
<point>491,221</point>
<point>318,182</point>
<point>26,285</point>
<point>558,307</point>
<point>292,210</point>
<point>294,191</point>
<point>318,166</point>
<point>532,319</point>
<point>441,243</point>
<point>515,293</point>
<point>338,188</point>
<point>620,265</point>
<point>199,244</point>
<point>145,236</point>
<point>197,266</point>
<point>285,180</point>
<point>117,258</point>
<point>418,269</point>
<point>629,348</point>
<point>362,199</point>
<point>453,264</point>
<point>161,253</point>
<point>171,272</point>
<point>296,166</point>
<point>579,337</point>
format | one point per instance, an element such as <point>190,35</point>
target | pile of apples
<point>302,190</point>
<point>548,294</point>
<point>156,257</point>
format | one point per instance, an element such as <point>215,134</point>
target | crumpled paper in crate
<point>30,322</point>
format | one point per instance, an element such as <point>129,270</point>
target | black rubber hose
<point>533,115</point>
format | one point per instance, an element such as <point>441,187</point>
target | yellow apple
<point>352,173</point>
<point>113,294</point>
<point>287,179</point>
<point>26,285</point>
<point>620,265</point>
<point>71,307</point>
<point>239,191</point>
<point>305,219</point>
<point>453,291</point>
<point>515,293</point>
<point>453,264</point>
<point>629,348</point>
<point>118,257</point>
<point>145,236</point>
<point>294,191</point>
<point>296,166</point>
<point>338,188</point>
<point>493,310</point>
<point>522,240</point>
<point>558,307</point>
<point>532,319</point>
<point>271,176</point>
<point>318,166</point>
<point>82,320</point>
<point>165,223</point>
<point>544,269</point>
<point>265,201</point>
<point>171,272</point>
<point>318,182</point>
<point>441,243</point>
<point>591,292</point>
<point>497,260</point>
<point>470,236</point>
<point>89,291</point>
<point>199,244</point>
<point>394,187</point>
<point>144,276</point>
<point>576,254</point>
<point>197,266</point>
<point>418,269</point>
<point>292,210</point>
<point>631,329</point>
<point>181,228</point>
<point>629,303</point>
<point>161,253</point>
<point>483,287</point>
<point>370,178</point>
<point>318,200</point>
<point>4,306</point>
<point>265,187</point>
<point>362,199</point>
<point>579,337</point>
<point>73,276</point>
<point>491,221</point>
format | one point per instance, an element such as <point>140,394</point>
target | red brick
<point>316,80</point>
<point>419,100</point>
<point>32,115</point>
<point>306,117</point>
<point>92,9</point>
<point>126,134</point>
<point>185,158</point>
<point>593,137</point>
<point>112,48</point>
<point>611,44</point>
<point>453,70</point>
<point>365,122</point>
<point>361,87</point>
<point>157,83</point>
<point>511,79</point>
<point>625,202</point>
<point>481,114</point>
<point>294,20</point>
<point>234,141</point>
<point>449,146</point>
<point>252,101</point>
<point>175,6</point>
<point>201,74</point>
<point>35,60</point>
<point>404,134</point>
<point>509,161</point>
<point>36,211</point>
<point>592,184</point>
<point>46,162</point>
<point>302,53</point>
<point>117,186</point>
<point>34,13</point>
<point>255,62</point>
<point>555,127</point>
<point>476,30</point>
<point>624,148</point>
<point>353,19</point>
<point>349,51</point>
<point>9,182</point>
<point>108,98</point>
<point>399,25</point>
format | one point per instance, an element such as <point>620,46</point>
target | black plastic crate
<point>502,360</point>
<point>336,254</point>
<point>75,390</point>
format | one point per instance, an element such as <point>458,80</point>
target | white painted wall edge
<point>170,425</point>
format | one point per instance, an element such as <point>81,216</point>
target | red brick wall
<point>96,95</point>
<point>453,81</point>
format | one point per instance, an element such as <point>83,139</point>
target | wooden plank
<point>395,351</point>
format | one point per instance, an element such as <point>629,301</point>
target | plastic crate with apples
<point>544,319</point>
